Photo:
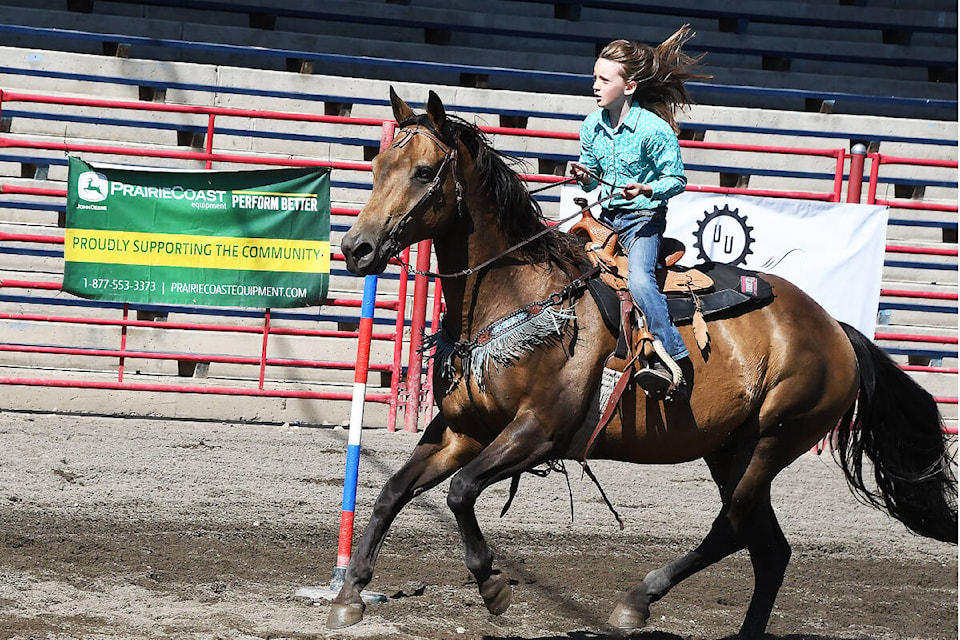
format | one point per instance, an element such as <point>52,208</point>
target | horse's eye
<point>423,173</point>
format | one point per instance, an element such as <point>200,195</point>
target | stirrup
<point>660,381</point>
<point>654,380</point>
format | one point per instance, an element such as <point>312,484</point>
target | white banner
<point>832,251</point>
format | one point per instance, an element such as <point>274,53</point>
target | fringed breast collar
<point>504,341</point>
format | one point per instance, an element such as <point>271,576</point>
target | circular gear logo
<point>92,186</point>
<point>723,236</point>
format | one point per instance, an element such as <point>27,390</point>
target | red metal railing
<point>123,353</point>
<point>930,295</point>
<point>877,161</point>
<point>417,395</point>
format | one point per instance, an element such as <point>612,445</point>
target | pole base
<point>326,593</point>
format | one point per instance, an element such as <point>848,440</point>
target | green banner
<point>226,238</point>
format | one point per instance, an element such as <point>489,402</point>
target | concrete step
<point>365,43</point>
<point>906,319</point>
<point>565,111</point>
<point>920,277</point>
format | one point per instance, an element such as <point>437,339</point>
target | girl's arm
<point>588,163</point>
<point>671,180</point>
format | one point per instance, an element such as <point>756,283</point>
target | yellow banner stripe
<point>205,252</point>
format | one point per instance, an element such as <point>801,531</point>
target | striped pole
<point>351,473</point>
<point>352,470</point>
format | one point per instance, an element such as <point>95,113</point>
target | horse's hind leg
<point>435,458</point>
<point>745,520</point>
<point>521,446</point>
<point>769,554</point>
<point>768,547</point>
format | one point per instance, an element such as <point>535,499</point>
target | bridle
<point>404,136</point>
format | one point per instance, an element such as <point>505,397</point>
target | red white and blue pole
<point>352,470</point>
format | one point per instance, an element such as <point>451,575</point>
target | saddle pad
<point>733,287</point>
<point>608,303</point>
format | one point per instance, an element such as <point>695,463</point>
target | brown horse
<point>775,382</point>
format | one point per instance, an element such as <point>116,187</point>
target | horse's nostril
<point>361,251</point>
<point>358,254</point>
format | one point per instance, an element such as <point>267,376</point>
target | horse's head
<point>414,193</point>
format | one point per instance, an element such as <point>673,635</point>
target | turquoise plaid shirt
<point>643,149</point>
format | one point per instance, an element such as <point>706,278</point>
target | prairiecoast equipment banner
<point>257,238</point>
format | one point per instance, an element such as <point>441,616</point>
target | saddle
<point>691,294</point>
<point>605,251</point>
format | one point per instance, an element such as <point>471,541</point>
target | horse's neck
<point>460,294</point>
<point>464,297</point>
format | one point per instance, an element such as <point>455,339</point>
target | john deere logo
<point>723,236</point>
<point>92,186</point>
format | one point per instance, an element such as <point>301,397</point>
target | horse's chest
<point>463,403</point>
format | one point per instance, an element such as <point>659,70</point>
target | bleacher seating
<point>271,80</point>
<point>783,54</point>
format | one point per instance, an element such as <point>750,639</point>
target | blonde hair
<point>660,72</point>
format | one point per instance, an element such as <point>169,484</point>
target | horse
<point>776,380</point>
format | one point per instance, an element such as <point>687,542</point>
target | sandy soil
<point>138,528</point>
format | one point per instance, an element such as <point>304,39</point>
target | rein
<point>450,160</point>
<point>470,270</point>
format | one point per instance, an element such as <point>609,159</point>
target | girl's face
<point>610,88</point>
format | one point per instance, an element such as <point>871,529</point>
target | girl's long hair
<point>660,72</point>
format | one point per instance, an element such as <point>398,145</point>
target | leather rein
<point>404,136</point>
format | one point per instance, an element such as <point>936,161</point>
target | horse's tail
<point>896,423</point>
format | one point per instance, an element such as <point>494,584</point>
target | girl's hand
<point>580,172</point>
<point>635,189</point>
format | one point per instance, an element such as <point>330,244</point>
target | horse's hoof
<point>344,615</point>
<point>497,593</point>
<point>626,617</point>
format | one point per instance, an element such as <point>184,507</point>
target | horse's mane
<point>518,214</point>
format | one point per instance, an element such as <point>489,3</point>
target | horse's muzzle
<point>362,256</point>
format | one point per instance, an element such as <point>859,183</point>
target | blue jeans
<point>640,233</point>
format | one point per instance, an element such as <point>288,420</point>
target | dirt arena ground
<point>138,528</point>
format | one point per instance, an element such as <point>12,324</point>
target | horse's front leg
<point>519,447</point>
<point>438,454</point>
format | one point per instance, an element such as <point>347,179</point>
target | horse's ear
<point>401,110</point>
<point>436,111</point>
